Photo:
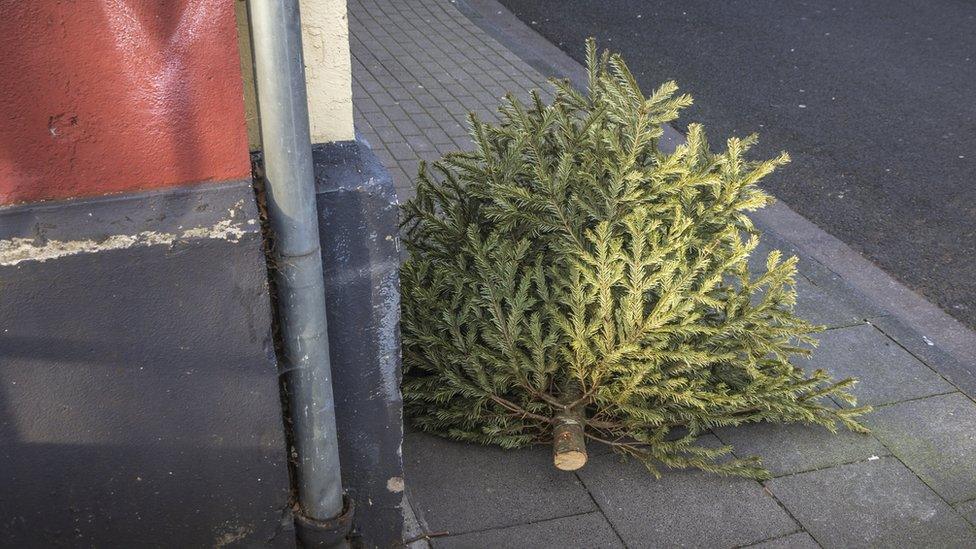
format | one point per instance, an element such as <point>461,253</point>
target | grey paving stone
<point>877,503</point>
<point>389,134</point>
<point>379,120</point>
<point>792,448</point>
<point>935,438</point>
<point>812,303</point>
<point>799,540</point>
<point>589,530</point>
<point>683,507</point>
<point>444,148</point>
<point>412,107</point>
<point>383,154</point>
<point>383,99</point>
<point>463,488</point>
<point>437,136</point>
<point>457,108</point>
<point>887,373</point>
<point>365,104</point>
<point>396,114</point>
<point>829,283</point>
<point>408,128</point>
<point>428,100</point>
<point>404,154</point>
<point>819,307</point>
<point>406,192</point>
<point>968,510</point>
<point>427,124</point>
<point>419,143</point>
<point>955,371</point>
<point>843,306</point>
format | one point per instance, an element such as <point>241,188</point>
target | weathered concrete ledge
<point>139,398</point>
<point>358,222</point>
<point>55,229</point>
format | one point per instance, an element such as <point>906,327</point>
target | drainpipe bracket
<point>333,532</point>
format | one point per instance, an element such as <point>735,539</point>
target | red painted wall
<point>103,96</point>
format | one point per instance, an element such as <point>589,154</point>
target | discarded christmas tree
<point>570,281</point>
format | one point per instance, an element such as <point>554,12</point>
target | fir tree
<point>568,280</point>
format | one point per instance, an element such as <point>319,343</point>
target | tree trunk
<point>569,442</point>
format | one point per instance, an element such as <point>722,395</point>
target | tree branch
<point>512,407</point>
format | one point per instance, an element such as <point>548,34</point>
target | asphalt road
<point>875,101</point>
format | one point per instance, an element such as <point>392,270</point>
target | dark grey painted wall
<point>139,401</point>
<point>358,218</point>
<point>139,396</point>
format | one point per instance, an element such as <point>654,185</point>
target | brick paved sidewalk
<point>419,66</point>
<point>418,69</point>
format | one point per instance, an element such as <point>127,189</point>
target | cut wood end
<point>569,461</point>
<point>568,437</point>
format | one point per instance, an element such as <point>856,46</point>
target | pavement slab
<point>829,306</point>
<point>588,530</point>
<point>968,510</point>
<point>935,438</point>
<point>459,488</point>
<point>826,280</point>
<point>799,540</point>
<point>683,507</point>
<point>874,503</point>
<point>793,448</point>
<point>960,373</point>
<point>819,307</point>
<point>886,372</point>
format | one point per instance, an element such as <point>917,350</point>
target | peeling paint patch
<point>18,250</point>
<point>223,230</point>
<point>395,484</point>
<point>231,533</point>
<point>389,331</point>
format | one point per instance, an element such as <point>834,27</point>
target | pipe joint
<point>328,534</point>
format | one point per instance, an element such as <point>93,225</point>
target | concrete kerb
<point>921,327</point>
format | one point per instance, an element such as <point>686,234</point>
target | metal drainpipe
<point>276,38</point>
